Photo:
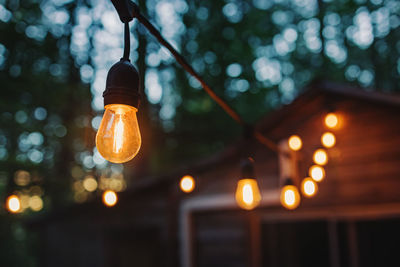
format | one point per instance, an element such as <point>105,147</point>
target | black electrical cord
<point>127,42</point>
<point>181,60</point>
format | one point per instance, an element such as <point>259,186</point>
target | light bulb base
<point>122,85</point>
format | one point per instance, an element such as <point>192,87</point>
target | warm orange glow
<point>118,138</point>
<point>290,197</point>
<point>331,120</point>
<point>308,187</point>
<point>328,140</point>
<point>317,173</point>
<point>36,203</point>
<point>247,194</point>
<point>187,184</point>
<point>295,143</point>
<point>90,184</point>
<point>13,204</point>
<point>320,157</point>
<point>110,198</point>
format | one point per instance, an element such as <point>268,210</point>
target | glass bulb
<point>290,197</point>
<point>110,198</point>
<point>317,173</point>
<point>118,138</point>
<point>295,143</point>
<point>247,194</point>
<point>320,157</point>
<point>328,139</point>
<point>331,120</point>
<point>13,204</point>
<point>187,184</point>
<point>308,187</point>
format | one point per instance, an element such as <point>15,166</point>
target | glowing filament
<point>187,184</point>
<point>317,173</point>
<point>13,204</point>
<point>320,157</point>
<point>295,143</point>
<point>118,135</point>
<point>328,140</point>
<point>308,187</point>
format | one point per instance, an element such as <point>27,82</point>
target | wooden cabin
<point>353,220</point>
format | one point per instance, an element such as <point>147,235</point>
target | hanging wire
<point>181,60</point>
<point>127,42</point>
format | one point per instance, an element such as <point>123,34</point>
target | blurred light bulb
<point>110,198</point>
<point>290,197</point>
<point>36,203</point>
<point>331,120</point>
<point>118,138</point>
<point>317,173</point>
<point>328,140</point>
<point>187,184</point>
<point>308,187</point>
<point>320,157</point>
<point>90,184</point>
<point>247,194</point>
<point>295,143</point>
<point>13,204</point>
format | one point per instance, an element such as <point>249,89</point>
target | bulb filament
<point>248,194</point>
<point>118,135</point>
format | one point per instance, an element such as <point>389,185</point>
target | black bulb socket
<point>122,85</point>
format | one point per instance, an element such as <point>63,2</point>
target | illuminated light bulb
<point>328,140</point>
<point>317,173</point>
<point>308,187</point>
<point>118,138</point>
<point>331,120</point>
<point>187,184</point>
<point>248,194</point>
<point>290,197</point>
<point>320,157</point>
<point>110,198</point>
<point>36,203</point>
<point>13,204</point>
<point>90,184</point>
<point>295,143</point>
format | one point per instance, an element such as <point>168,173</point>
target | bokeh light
<point>90,184</point>
<point>187,184</point>
<point>36,203</point>
<point>328,140</point>
<point>320,157</point>
<point>317,173</point>
<point>13,204</point>
<point>331,120</point>
<point>290,197</point>
<point>295,143</point>
<point>308,187</point>
<point>110,198</point>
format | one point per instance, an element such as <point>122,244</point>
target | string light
<point>308,187</point>
<point>110,198</point>
<point>331,120</point>
<point>247,192</point>
<point>317,173</point>
<point>35,203</point>
<point>187,184</point>
<point>320,157</point>
<point>290,197</point>
<point>328,140</point>
<point>118,138</point>
<point>295,143</point>
<point>13,204</point>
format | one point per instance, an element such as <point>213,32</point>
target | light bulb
<point>290,197</point>
<point>331,120</point>
<point>118,138</point>
<point>110,198</point>
<point>13,204</point>
<point>247,194</point>
<point>187,184</point>
<point>308,187</point>
<point>328,140</point>
<point>317,173</point>
<point>295,143</point>
<point>320,157</point>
